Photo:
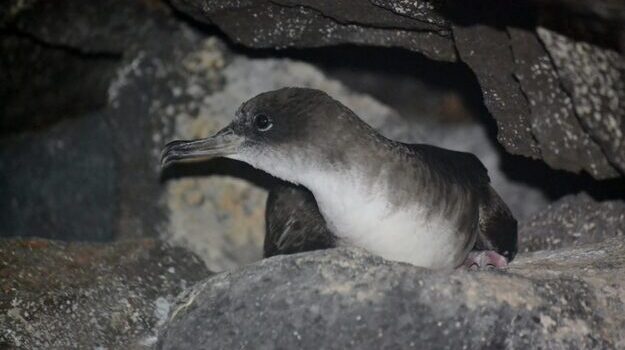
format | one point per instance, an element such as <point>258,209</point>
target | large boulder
<point>345,298</point>
<point>56,295</point>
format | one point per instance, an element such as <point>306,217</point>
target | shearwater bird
<point>414,203</point>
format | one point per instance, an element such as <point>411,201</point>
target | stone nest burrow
<point>101,249</point>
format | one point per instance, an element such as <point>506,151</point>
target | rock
<point>491,60</point>
<point>573,221</point>
<point>564,142</point>
<point>594,77</point>
<point>304,23</point>
<point>345,298</point>
<point>524,92</point>
<point>106,27</point>
<point>59,295</point>
<point>59,183</point>
<point>64,55</point>
<point>521,77</point>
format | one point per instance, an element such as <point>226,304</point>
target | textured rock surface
<point>565,143</point>
<point>573,221</point>
<point>342,298</point>
<point>595,79</point>
<point>287,23</point>
<point>58,296</point>
<point>105,27</point>
<point>491,60</point>
<point>521,78</point>
<point>63,55</point>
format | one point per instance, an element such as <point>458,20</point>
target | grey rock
<point>424,11</point>
<point>63,55</point>
<point>491,60</point>
<point>105,27</point>
<point>346,298</point>
<point>594,77</point>
<point>59,183</point>
<point>563,142</point>
<point>573,221</point>
<point>285,23</point>
<point>59,296</point>
<point>97,171</point>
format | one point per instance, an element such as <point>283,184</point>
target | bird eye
<point>262,122</point>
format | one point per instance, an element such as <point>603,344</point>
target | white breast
<point>365,218</point>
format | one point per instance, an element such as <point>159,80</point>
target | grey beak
<point>222,144</point>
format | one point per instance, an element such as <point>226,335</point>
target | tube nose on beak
<point>222,144</point>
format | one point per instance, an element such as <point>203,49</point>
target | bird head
<point>289,133</point>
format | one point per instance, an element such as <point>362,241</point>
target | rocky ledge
<point>346,298</point>
<point>56,295</point>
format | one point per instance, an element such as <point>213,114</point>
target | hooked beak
<point>222,144</point>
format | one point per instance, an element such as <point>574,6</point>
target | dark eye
<point>262,122</point>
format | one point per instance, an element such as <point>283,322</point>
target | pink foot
<point>485,259</point>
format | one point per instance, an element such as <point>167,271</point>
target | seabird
<point>414,203</point>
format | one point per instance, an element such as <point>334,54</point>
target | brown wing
<point>294,223</point>
<point>497,226</point>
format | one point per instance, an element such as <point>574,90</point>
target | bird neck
<point>363,174</point>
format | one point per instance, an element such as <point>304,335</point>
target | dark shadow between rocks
<point>558,183</point>
<point>220,167</point>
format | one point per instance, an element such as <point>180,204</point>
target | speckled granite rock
<point>594,77</point>
<point>345,298</point>
<point>59,296</point>
<point>565,143</point>
<point>304,23</point>
<point>572,221</point>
